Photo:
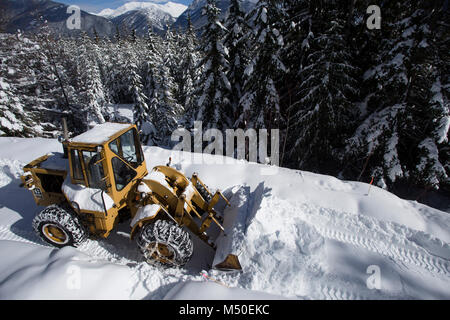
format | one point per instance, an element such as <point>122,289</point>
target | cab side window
<point>94,168</point>
<point>77,173</point>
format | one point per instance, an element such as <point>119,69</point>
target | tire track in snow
<point>429,263</point>
<point>13,234</point>
<point>90,247</point>
<point>347,228</point>
<point>339,290</point>
<point>96,251</point>
<point>328,292</point>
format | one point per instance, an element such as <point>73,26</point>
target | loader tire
<point>164,243</point>
<point>59,226</point>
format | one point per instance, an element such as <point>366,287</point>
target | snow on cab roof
<point>100,133</point>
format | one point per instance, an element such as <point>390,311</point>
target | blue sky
<point>98,5</point>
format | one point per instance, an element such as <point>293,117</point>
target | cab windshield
<point>128,148</point>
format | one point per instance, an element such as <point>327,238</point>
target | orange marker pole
<point>370,186</point>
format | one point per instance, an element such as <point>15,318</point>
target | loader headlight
<point>75,207</point>
<point>140,196</point>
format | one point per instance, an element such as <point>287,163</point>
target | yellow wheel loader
<point>102,178</point>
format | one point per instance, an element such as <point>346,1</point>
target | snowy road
<point>298,235</point>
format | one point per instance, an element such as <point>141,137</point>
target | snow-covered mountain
<point>139,15</point>
<point>172,8</point>
<point>140,20</point>
<point>27,15</point>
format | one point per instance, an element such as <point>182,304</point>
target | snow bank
<point>194,290</point>
<point>27,149</point>
<point>297,235</point>
<point>28,271</point>
<point>307,251</point>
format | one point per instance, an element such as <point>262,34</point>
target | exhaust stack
<point>65,137</point>
<point>65,132</point>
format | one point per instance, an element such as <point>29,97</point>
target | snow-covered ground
<point>298,235</point>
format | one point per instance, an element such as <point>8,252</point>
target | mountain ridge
<point>172,8</point>
<point>25,15</point>
<point>29,16</point>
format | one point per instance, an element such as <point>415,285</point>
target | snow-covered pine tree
<point>168,110</point>
<point>296,31</point>
<point>405,124</point>
<point>71,75</point>
<point>439,25</point>
<point>163,109</point>
<point>116,73</point>
<point>30,90</point>
<point>50,70</point>
<point>323,111</point>
<point>213,104</point>
<point>3,20</point>
<point>189,60</point>
<point>105,55</point>
<point>52,95</point>
<point>428,99</point>
<point>133,87</point>
<point>260,102</point>
<point>13,121</point>
<point>153,53</point>
<point>153,49</point>
<point>236,41</point>
<point>100,55</point>
<point>91,102</point>
<point>376,139</point>
<point>173,59</point>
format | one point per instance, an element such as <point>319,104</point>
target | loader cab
<point>108,157</point>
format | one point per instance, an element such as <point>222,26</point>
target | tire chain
<point>63,217</point>
<point>166,232</point>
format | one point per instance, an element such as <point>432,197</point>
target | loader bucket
<point>230,242</point>
<point>230,263</point>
